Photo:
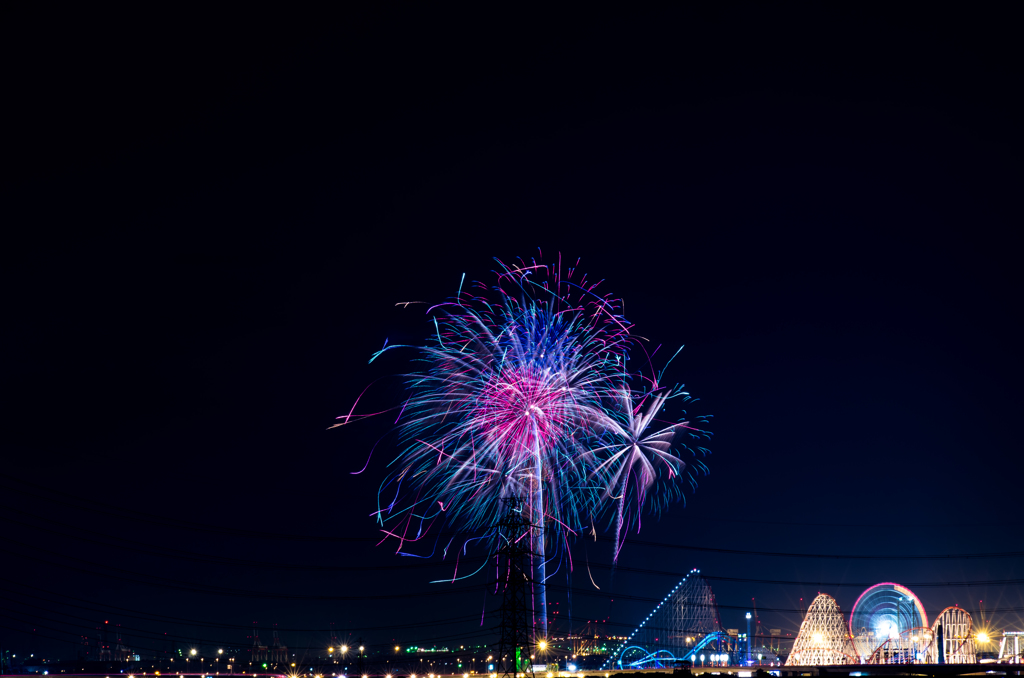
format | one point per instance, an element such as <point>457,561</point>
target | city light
<point>982,637</point>
<point>193,653</point>
<point>542,645</point>
<point>344,649</point>
<point>220,651</point>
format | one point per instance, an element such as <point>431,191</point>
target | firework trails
<point>524,388</point>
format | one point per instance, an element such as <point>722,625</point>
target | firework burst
<point>523,389</point>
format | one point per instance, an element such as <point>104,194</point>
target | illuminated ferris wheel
<point>885,612</point>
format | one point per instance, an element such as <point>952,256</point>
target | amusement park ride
<point>683,627</point>
<point>888,625</point>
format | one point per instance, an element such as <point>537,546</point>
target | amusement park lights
<point>689,605</point>
<point>888,625</point>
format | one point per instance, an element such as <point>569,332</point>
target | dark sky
<point>209,220</point>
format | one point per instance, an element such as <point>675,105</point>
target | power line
<point>133,614</point>
<point>181,524</point>
<point>140,516</point>
<point>165,582</point>
<point>198,557</point>
<point>181,585</point>
<point>437,622</point>
<point>650,599</point>
<point>450,637</point>
<point>165,552</point>
<point>27,617</point>
<point>783,582</point>
<point>782,554</point>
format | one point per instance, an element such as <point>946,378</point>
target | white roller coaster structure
<point>823,638</point>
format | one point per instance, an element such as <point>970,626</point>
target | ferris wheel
<point>883,612</point>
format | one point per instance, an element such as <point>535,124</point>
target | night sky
<point>208,221</point>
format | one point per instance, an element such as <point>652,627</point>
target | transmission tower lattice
<point>513,650</point>
<point>823,638</point>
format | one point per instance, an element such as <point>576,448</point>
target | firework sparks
<point>524,390</point>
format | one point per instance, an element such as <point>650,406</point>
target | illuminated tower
<point>259,651</point>
<point>121,652</point>
<point>823,637</point>
<point>278,652</point>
